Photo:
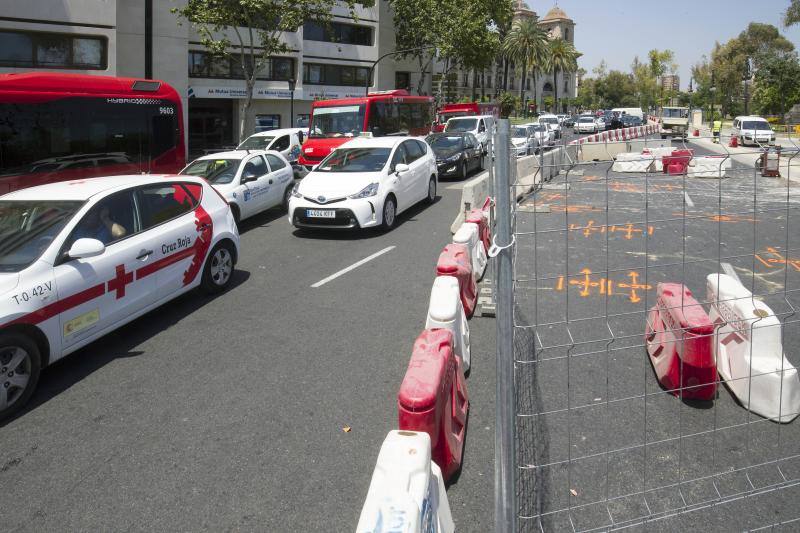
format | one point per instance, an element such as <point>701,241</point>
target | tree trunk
<point>474,84</point>
<point>535,90</point>
<point>524,77</point>
<point>483,86</point>
<point>506,66</point>
<point>246,118</point>
<point>555,91</point>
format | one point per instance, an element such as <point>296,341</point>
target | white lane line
<point>689,201</point>
<point>352,267</point>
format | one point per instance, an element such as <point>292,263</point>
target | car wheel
<point>218,271</point>
<point>389,213</point>
<point>287,194</point>
<point>20,366</point>
<point>464,170</point>
<point>432,190</point>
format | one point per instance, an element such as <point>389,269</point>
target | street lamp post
<point>747,71</point>
<point>396,52</point>
<point>292,85</point>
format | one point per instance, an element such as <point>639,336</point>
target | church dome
<point>555,14</point>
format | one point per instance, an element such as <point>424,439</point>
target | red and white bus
<point>56,127</point>
<point>334,122</point>
<point>470,109</point>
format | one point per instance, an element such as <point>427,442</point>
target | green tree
<point>777,85</point>
<point>792,14</point>
<point>562,58</point>
<point>527,45</point>
<point>255,27</point>
<point>616,90</point>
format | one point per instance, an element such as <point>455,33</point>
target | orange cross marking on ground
<point>586,284</point>
<point>589,229</point>
<point>633,286</point>
<point>625,187</point>
<point>591,178</point>
<point>629,229</point>
<point>550,196</point>
<point>777,259</point>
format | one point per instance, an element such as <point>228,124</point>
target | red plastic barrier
<point>678,162</point>
<point>433,398</point>
<point>455,261</point>
<point>478,216</point>
<point>680,338</point>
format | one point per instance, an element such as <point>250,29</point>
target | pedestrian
<point>716,128</point>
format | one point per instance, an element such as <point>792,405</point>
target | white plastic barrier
<point>406,494</point>
<point>469,235</point>
<point>633,162</point>
<point>658,153</point>
<point>709,167</point>
<point>749,351</point>
<point>446,311</point>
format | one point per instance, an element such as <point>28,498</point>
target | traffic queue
<point>79,258</point>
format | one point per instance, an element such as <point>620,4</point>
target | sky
<point>618,30</point>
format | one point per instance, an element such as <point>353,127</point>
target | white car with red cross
<point>79,259</point>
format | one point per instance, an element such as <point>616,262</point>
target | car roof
<point>84,189</point>
<point>275,133</point>
<point>376,142</point>
<point>751,117</point>
<point>231,154</point>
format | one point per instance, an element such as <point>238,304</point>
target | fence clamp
<point>495,249</point>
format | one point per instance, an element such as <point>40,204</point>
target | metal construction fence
<point>647,337</point>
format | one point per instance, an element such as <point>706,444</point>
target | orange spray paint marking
<point>586,284</point>
<point>560,284</point>
<point>633,286</point>
<point>629,229</point>
<point>777,259</point>
<point>589,229</point>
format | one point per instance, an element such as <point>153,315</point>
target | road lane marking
<point>352,267</point>
<point>689,201</point>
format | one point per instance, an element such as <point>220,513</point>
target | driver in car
<point>98,225</point>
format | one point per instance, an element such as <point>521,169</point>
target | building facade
<point>671,82</point>
<point>143,38</point>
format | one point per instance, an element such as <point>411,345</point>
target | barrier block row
<point>624,134</point>
<point>739,340</point>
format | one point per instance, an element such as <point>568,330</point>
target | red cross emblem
<point>120,281</point>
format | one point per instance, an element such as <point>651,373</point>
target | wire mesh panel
<point>654,299</point>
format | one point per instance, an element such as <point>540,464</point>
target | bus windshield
<point>338,121</point>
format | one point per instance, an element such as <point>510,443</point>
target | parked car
<point>522,141</point>
<point>585,124</point>
<point>551,120</point>
<point>600,123</point>
<point>482,127</point>
<point>569,122</point>
<point>365,183</point>
<point>250,181</point>
<point>631,121</point>
<point>545,137</point>
<point>457,154</point>
<point>752,130</point>
<point>287,141</point>
<point>82,258</point>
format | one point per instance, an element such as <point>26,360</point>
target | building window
<point>267,122</point>
<point>52,50</point>
<point>206,65</point>
<point>336,32</point>
<point>402,80</point>
<point>566,86</point>
<point>566,34</point>
<point>466,78</point>
<point>343,75</point>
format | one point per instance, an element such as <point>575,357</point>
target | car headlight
<point>366,192</point>
<point>296,191</point>
<point>453,158</point>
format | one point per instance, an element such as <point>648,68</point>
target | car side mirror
<point>83,248</point>
<point>401,168</point>
<point>247,177</point>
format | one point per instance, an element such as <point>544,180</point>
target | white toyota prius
<point>79,259</point>
<point>364,183</point>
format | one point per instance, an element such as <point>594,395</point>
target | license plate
<point>320,213</point>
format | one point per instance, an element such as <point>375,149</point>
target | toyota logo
<point>321,199</point>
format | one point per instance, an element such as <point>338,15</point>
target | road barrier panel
<point>455,261</point>
<point>445,311</point>
<point>633,162</point>
<point>407,493</point>
<point>658,153</point>
<point>468,235</point>
<point>433,398</point>
<point>679,336</point>
<point>749,351</point>
<point>677,162</point>
<point>710,167</point>
<point>480,217</point>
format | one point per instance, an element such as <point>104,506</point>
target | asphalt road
<point>599,442</point>
<point>227,413</point>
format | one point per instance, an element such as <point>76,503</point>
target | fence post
<point>505,493</point>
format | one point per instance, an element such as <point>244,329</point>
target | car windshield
<point>355,160</point>
<point>256,142</point>
<point>675,112</point>
<point>549,120</point>
<point>756,125</point>
<point>27,228</point>
<point>338,121</point>
<point>586,119</point>
<point>520,133</point>
<point>446,145</point>
<point>537,127</point>
<point>215,171</point>
<point>461,124</point>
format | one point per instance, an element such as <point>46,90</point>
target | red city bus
<point>56,127</point>
<point>471,109</point>
<point>334,122</point>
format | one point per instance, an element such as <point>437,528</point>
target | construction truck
<point>674,122</point>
